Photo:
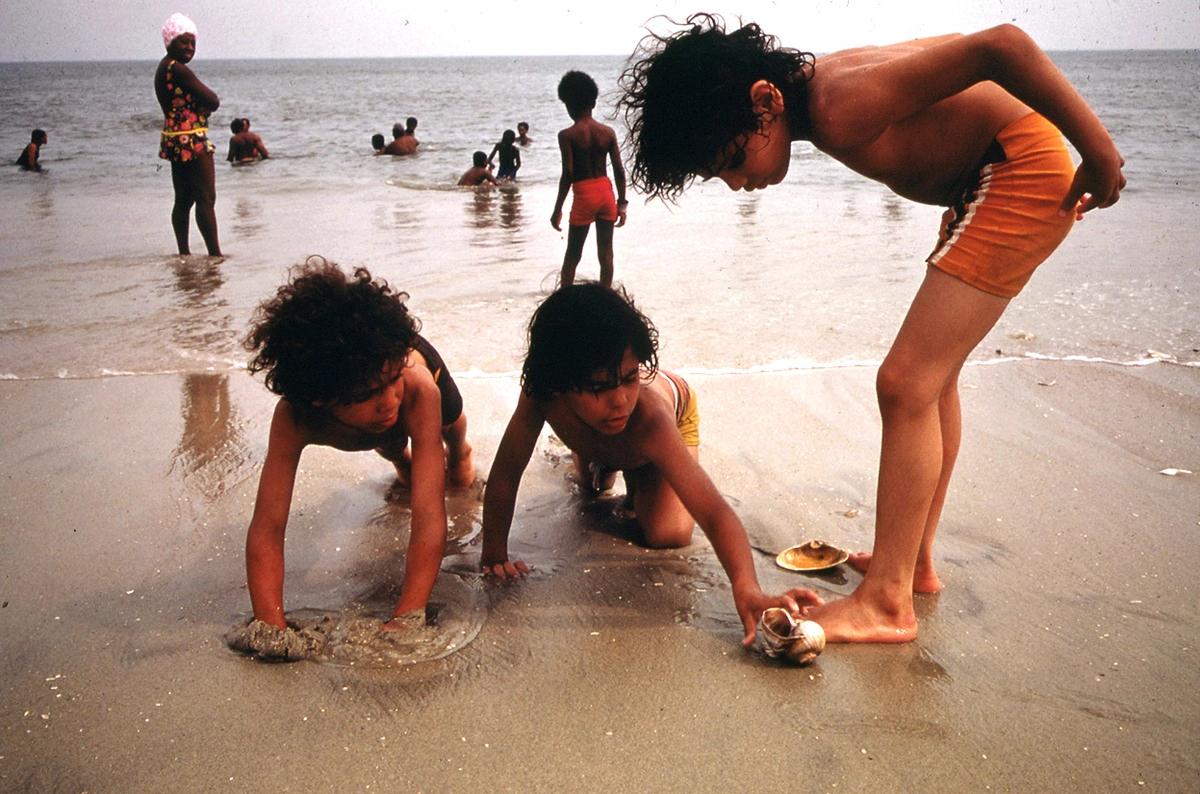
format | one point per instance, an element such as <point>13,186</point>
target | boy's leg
<point>181,210</point>
<point>576,237</point>
<point>604,250</point>
<point>664,521</point>
<point>925,578</point>
<point>205,191</point>
<point>460,459</point>
<point>946,321</point>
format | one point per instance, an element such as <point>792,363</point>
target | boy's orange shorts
<point>592,200</point>
<point>1006,221</point>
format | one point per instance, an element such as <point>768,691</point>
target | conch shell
<point>782,636</point>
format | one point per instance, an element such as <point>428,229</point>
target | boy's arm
<point>872,98</point>
<point>663,445</point>
<point>614,154</point>
<point>495,149</point>
<point>188,81</point>
<point>35,150</point>
<point>261,147</point>
<point>565,180</point>
<point>427,540</point>
<point>229,156</point>
<point>500,497</point>
<point>264,538</point>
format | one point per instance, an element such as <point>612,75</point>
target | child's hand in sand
<point>406,621</point>
<point>751,604</point>
<point>505,569</point>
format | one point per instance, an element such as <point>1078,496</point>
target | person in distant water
<point>974,123</point>
<point>378,143</point>
<point>410,130</point>
<point>585,146</point>
<point>523,133</point>
<point>29,155</point>
<point>402,143</point>
<point>479,173</point>
<point>510,157</point>
<point>186,103</point>
<point>353,373</point>
<point>245,146</point>
<point>591,372</point>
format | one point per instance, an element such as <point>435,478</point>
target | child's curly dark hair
<point>578,91</point>
<point>325,337</point>
<point>580,329</point>
<point>688,97</point>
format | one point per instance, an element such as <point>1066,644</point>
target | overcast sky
<point>53,30</point>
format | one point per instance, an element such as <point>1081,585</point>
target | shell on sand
<point>782,636</point>
<point>815,555</point>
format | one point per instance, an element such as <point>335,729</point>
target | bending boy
<point>591,372</point>
<point>971,123</point>
<point>352,373</point>
<point>585,146</point>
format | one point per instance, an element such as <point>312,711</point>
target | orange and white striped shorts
<point>1006,222</point>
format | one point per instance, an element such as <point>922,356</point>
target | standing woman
<point>186,103</point>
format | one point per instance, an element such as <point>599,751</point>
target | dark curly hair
<point>325,337</point>
<point>580,329</point>
<point>688,97</point>
<point>578,91</point>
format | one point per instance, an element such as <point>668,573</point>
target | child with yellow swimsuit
<point>591,373</point>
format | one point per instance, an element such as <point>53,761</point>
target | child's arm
<point>662,444</point>
<point>614,154</point>
<point>34,150</point>
<point>495,149</point>
<point>564,181</point>
<point>261,147</point>
<point>264,538</point>
<point>186,79</point>
<point>427,540</point>
<point>500,497</point>
<point>873,98</point>
<point>229,156</point>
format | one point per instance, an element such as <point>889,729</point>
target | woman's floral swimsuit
<point>185,128</point>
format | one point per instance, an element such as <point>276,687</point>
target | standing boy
<point>352,373</point>
<point>591,373</point>
<point>967,122</point>
<point>584,146</point>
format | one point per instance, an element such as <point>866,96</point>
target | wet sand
<point>1062,651</point>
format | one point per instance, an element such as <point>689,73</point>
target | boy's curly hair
<point>578,91</point>
<point>580,329</point>
<point>325,337</point>
<point>688,97</point>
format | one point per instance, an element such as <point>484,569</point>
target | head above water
<point>236,126</point>
<point>38,136</point>
<point>410,125</point>
<point>325,337</point>
<point>522,127</point>
<point>397,130</point>
<point>378,141</point>
<point>508,137</point>
<point>479,159</point>
<point>581,330</point>
<point>578,91</point>
<point>686,98</point>
<point>177,25</point>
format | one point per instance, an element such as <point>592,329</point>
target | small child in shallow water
<point>352,373</point>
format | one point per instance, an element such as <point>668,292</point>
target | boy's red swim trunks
<point>592,200</point>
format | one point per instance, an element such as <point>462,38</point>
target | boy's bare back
<point>589,143</point>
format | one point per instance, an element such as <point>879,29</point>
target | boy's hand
<point>556,220</point>
<point>750,606</point>
<point>505,569</point>
<point>1097,184</point>
<point>622,212</point>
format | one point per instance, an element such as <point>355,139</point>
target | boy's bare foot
<point>925,579</point>
<point>856,619</point>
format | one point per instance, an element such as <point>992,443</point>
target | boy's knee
<point>668,537</point>
<point>900,387</point>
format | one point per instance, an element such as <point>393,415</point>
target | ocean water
<point>815,272</point>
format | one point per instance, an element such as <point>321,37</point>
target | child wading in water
<point>352,373</point>
<point>591,372</point>
<point>29,155</point>
<point>510,156</point>
<point>967,122</point>
<point>585,146</point>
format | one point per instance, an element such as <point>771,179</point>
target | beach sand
<point>1062,651</point>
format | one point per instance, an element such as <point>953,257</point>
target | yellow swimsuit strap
<point>177,133</point>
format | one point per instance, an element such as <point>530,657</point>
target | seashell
<point>781,636</point>
<point>815,555</point>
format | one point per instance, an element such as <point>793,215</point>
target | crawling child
<point>592,373</point>
<point>352,372</point>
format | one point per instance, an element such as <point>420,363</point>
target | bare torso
<point>620,451</point>
<point>927,157</point>
<point>590,142</point>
